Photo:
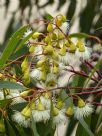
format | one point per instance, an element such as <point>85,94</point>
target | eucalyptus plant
<point>33,67</point>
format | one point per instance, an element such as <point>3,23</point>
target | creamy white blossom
<point>85,55</point>
<point>17,100</point>
<point>41,116</point>
<point>20,119</point>
<point>60,118</point>
<point>83,111</point>
<point>36,73</point>
<point>46,102</point>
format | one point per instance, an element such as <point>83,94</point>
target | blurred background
<point>84,15</point>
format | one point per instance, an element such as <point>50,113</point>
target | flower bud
<point>49,27</point>
<point>40,63</point>
<point>62,51</point>
<point>24,93</point>
<point>43,76</point>
<point>81,103</point>
<point>36,35</point>
<point>32,49</point>
<point>59,104</point>
<point>55,111</point>
<point>26,111</point>
<point>33,106</point>
<point>24,65</point>
<point>55,69</point>
<point>47,39</point>
<point>70,111</point>
<point>2,126</point>
<point>40,106</point>
<point>54,36</point>
<point>48,50</point>
<point>72,48</point>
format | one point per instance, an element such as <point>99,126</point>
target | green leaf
<point>86,127</point>
<point>81,129</point>
<point>33,126</point>
<point>71,126</point>
<point>13,42</point>
<point>9,129</point>
<point>18,106</point>
<point>92,72</point>
<point>4,102</point>
<point>11,85</point>
<point>79,35</point>
<point>24,41</point>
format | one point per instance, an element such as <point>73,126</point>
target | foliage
<point>32,68</point>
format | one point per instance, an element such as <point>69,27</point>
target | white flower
<point>17,100</point>
<point>20,119</point>
<point>36,74</point>
<point>51,79</point>
<point>83,111</point>
<point>65,27</point>
<point>64,59</point>
<point>85,55</point>
<point>60,118</point>
<point>46,102</point>
<point>40,116</point>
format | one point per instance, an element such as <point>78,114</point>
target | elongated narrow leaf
<point>9,129</point>
<point>79,35</point>
<point>11,85</point>
<point>92,72</point>
<point>13,42</point>
<point>4,102</point>
<point>86,127</point>
<point>33,126</point>
<point>24,41</point>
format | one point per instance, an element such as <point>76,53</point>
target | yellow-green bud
<point>40,106</point>
<point>24,93</point>
<point>47,95</point>
<point>49,27</point>
<point>81,103</point>
<point>24,65</point>
<point>63,18</point>
<point>55,111</point>
<point>48,50</point>
<point>72,48</point>
<point>36,35</point>
<point>55,69</point>
<point>62,51</point>
<point>67,44</point>
<point>33,106</point>
<point>47,39</point>
<point>70,111</point>
<point>32,49</point>
<point>54,36</point>
<point>60,35</point>
<point>40,63</point>
<point>43,76</point>
<point>25,110</point>
<point>60,104</point>
<point>2,126</point>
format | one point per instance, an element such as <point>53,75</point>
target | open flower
<point>59,116</point>
<point>20,119</point>
<point>83,109</point>
<point>41,114</point>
